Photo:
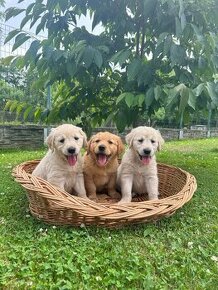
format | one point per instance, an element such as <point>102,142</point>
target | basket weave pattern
<point>57,207</point>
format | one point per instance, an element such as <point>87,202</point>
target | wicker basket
<point>57,207</point>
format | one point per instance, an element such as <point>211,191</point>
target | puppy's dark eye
<point>76,138</point>
<point>97,141</point>
<point>110,142</point>
<point>62,140</point>
<point>152,141</point>
<point>140,140</point>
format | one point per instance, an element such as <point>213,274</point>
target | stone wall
<point>21,136</point>
<point>168,133</point>
<point>33,136</point>
<point>214,133</point>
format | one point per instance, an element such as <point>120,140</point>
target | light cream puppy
<point>62,165</point>
<point>138,170</point>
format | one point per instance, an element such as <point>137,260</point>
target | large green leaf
<point>88,56</point>
<point>63,5</point>
<point>149,97</point>
<point>157,92</point>
<point>37,114</point>
<point>129,99</point>
<point>41,25</point>
<point>184,97</point>
<point>8,105</point>
<point>20,39</point>
<point>25,20</point>
<point>27,112</point>
<point>178,27</point>
<point>161,38</point>
<point>214,59</point>
<point>98,60</point>
<point>121,121</point>
<point>211,89</point>
<point>182,15</point>
<point>7,60</point>
<point>57,54</point>
<point>29,8</point>
<point>121,56</point>
<point>172,100</point>
<point>120,98</point>
<point>31,53</point>
<point>149,8</point>
<point>133,69</point>
<point>198,33</point>
<point>19,109</point>
<point>192,99</point>
<point>141,99</point>
<point>177,54</point>
<point>71,68</point>
<point>167,44</point>
<point>199,89</point>
<point>38,9</point>
<point>11,35</point>
<point>12,12</point>
<point>13,105</point>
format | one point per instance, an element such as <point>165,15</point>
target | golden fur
<point>101,163</point>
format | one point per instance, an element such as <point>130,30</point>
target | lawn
<point>180,252</point>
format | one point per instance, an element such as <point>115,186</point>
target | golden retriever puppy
<point>137,172</point>
<point>62,165</point>
<point>101,163</point>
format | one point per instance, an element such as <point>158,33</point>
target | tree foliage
<point>2,3</point>
<point>18,91</point>
<point>150,54</point>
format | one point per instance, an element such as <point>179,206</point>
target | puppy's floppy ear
<point>84,137</point>
<point>89,146</point>
<point>160,140</point>
<point>120,145</point>
<point>129,138</point>
<point>50,139</point>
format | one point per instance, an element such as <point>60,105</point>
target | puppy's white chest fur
<point>58,172</point>
<point>69,176</point>
<point>139,183</point>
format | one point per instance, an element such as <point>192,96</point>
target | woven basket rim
<point>106,211</point>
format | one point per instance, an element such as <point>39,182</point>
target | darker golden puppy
<point>101,163</point>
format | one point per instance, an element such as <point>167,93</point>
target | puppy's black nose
<point>71,150</point>
<point>101,148</point>
<point>147,151</point>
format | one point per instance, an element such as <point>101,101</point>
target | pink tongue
<point>72,160</point>
<point>146,160</point>
<point>102,159</point>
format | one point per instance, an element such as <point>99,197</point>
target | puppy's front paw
<point>114,194</point>
<point>82,194</point>
<point>153,197</point>
<point>93,197</point>
<point>124,200</point>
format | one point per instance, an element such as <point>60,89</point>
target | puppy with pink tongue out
<point>62,166</point>
<point>137,172</point>
<point>101,163</point>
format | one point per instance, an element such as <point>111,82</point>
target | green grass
<point>179,252</point>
